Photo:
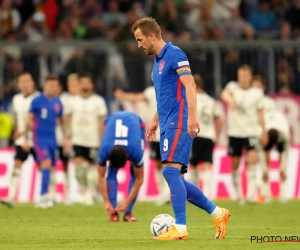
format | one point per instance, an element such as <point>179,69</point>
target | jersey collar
<point>164,50</point>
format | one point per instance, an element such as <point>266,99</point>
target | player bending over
<point>209,115</point>
<point>245,120</point>
<point>123,140</point>
<point>44,113</point>
<point>177,118</point>
<point>149,96</point>
<point>279,138</point>
<point>21,104</point>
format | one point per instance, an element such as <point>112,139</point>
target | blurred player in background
<point>149,96</point>
<point>268,103</point>
<point>45,112</point>
<point>21,104</point>
<point>209,116</point>
<point>84,126</point>
<point>245,119</point>
<point>66,99</point>
<point>279,138</point>
<point>177,118</point>
<point>123,140</point>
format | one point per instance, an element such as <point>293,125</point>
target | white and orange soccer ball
<point>161,224</point>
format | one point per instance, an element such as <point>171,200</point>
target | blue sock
<point>45,180</point>
<point>178,193</point>
<point>112,185</point>
<point>132,180</point>
<point>197,198</point>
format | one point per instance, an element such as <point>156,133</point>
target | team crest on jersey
<point>57,107</point>
<point>161,66</point>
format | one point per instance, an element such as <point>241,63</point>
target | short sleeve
<point>217,109</point>
<point>102,157</point>
<point>149,93</point>
<point>260,102</point>
<point>231,86</point>
<point>60,112</point>
<point>34,109</point>
<point>102,109</point>
<point>181,64</point>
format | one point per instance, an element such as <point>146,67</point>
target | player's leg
<point>193,162</point>
<point>20,157</point>
<point>80,167</point>
<point>251,160</point>
<point>263,159</point>
<point>112,190</point>
<point>206,158</point>
<point>128,213</point>
<point>65,162</point>
<point>283,149</point>
<point>235,152</point>
<point>90,156</point>
<point>164,194</point>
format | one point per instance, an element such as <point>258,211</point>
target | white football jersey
<point>243,121</point>
<point>85,114</point>
<point>151,98</point>
<point>66,100</point>
<point>269,104</point>
<point>207,110</point>
<point>21,106</point>
<point>276,120</point>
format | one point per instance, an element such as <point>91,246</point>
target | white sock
<point>265,190</point>
<point>14,182</point>
<point>251,182</point>
<point>67,183</point>
<point>52,185</point>
<point>206,178</point>
<point>282,190</point>
<point>216,213</point>
<point>180,228</point>
<point>237,184</point>
<point>194,176</point>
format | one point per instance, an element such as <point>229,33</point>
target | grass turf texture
<point>79,227</point>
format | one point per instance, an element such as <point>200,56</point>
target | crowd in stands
<point>40,20</point>
<point>111,20</point>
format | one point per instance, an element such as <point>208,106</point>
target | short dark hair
<point>246,67</point>
<point>51,77</point>
<point>260,79</point>
<point>147,25</point>
<point>273,136</point>
<point>118,157</point>
<point>198,81</point>
<point>87,75</point>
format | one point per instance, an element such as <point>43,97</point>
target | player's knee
<point>252,157</point>
<point>118,156</point>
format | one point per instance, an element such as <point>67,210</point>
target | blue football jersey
<point>172,107</point>
<point>46,111</point>
<point>125,129</point>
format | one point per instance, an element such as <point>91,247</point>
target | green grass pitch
<point>80,227</point>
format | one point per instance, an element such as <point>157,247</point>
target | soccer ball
<point>161,224</point>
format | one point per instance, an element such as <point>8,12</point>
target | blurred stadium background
<point>77,36</point>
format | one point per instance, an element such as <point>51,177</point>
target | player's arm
<point>101,120</point>
<point>139,179</point>
<point>152,127</point>
<point>103,189</point>
<point>264,137</point>
<point>133,97</point>
<point>226,96</point>
<point>190,90</point>
<point>283,157</point>
<point>218,123</point>
<point>28,128</point>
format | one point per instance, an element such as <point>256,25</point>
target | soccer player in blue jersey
<point>123,140</point>
<point>44,113</point>
<point>176,115</point>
